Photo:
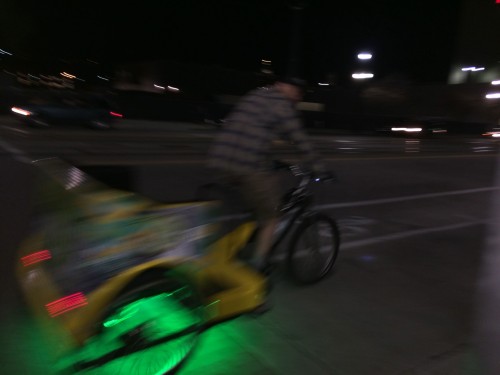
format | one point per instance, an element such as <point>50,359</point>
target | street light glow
<point>496,82</point>
<point>362,75</point>
<point>407,130</point>
<point>472,69</point>
<point>364,56</point>
<point>493,95</point>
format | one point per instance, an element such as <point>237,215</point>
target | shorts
<point>260,191</point>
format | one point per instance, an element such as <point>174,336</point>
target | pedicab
<point>122,284</point>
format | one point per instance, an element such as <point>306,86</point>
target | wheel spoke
<point>314,249</point>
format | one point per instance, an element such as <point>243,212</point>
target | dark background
<point>413,39</point>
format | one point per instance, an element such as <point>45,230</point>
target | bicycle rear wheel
<point>150,330</point>
<point>313,249</point>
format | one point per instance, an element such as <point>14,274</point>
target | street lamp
<point>470,71</point>
<point>364,56</point>
<point>363,67</point>
<point>362,75</point>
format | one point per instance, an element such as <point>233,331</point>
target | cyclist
<point>241,152</point>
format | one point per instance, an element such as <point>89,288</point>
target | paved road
<point>402,299</point>
<point>149,142</point>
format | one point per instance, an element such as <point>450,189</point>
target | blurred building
<point>477,53</point>
<point>199,80</point>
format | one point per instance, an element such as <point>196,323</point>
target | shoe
<point>265,271</point>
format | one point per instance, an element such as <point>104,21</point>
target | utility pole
<point>294,61</point>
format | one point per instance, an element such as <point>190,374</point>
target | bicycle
<point>314,244</point>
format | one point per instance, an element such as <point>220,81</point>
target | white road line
<point>281,255</point>
<point>17,130</point>
<point>16,153</point>
<point>405,198</point>
<point>381,201</point>
<point>400,235</point>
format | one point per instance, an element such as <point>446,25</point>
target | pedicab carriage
<point>122,284</point>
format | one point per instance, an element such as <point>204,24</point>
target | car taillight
<point>492,134</point>
<point>20,111</point>
<point>116,114</point>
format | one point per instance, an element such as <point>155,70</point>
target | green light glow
<point>123,314</point>
<point>224,348</point>
<point>157,316</point>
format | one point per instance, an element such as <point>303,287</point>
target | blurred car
<point>417,127</point>
<point>63,109</point>
<point>492,133</point>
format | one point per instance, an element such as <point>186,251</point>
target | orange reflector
<point>66,304</point>
<point>36,257</point>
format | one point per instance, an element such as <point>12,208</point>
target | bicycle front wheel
<point>313,249</point>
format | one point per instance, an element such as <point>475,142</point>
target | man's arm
<point>292,128</point>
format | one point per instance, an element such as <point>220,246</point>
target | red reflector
<point>115,114</point>
<point>66,304</point>
<point>36,257</point>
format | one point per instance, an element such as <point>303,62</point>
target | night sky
<point>409,38</point>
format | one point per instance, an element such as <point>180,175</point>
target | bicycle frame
<point>295,205</point>
<point>288,220</point>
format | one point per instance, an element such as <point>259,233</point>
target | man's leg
<point>264,242</point>
<point>261,191</point>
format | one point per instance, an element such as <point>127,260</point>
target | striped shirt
<point>244,145</point>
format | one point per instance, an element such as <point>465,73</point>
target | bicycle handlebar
<point>297,171</point>
<point>326,177</point>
